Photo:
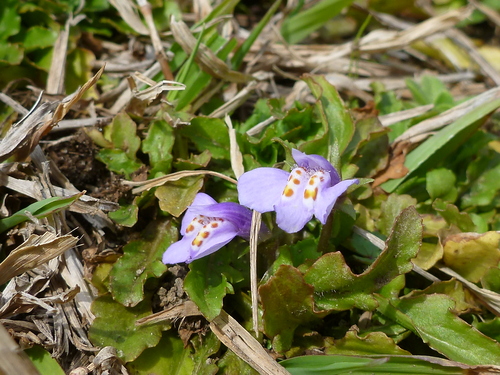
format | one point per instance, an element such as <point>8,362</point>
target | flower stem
<point>326,232</point>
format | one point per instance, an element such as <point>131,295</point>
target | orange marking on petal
<point>298,171</point>
<point>308,193</point>
<point>214,225</point>
<point>204,234</point>
<point>288,192</point>
<point>197,242</point>
<point>296,181</point>
<point>190,228</point>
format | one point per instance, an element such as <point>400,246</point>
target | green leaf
<point>288,302</point>
<point>207,283</point>
<point>168,356</point>
<point>11,54</point>
<point>336,120</point>
<point>230,363</point>
<point>158,145</point>
<point>122,133</point>
<point>299,26</point>
<point>391,208</point>
<point>372,343</point>
<point>453,216</point>
<point>194,161</point>
<point>175,196</point>
<point>115,326</point>
<point>39,37</point>
<point>208,134</point>
<point>440,183</point>
<point>205,346</point>
<point>43,361</point>
<point>431,317</point>
<point>486,187</point>
<point>118,161</point>
<point>444,142</point>
<point>337,288</point>
<point>384,365</point>
<point>10,21</point>
<point>126,215</point>
<point>141,260</point>
<point>39,210</point>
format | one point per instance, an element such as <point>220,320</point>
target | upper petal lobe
<point>260,189</point>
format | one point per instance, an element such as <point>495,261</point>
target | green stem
<point>324,237</point>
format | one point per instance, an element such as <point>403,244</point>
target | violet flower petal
<point>239,216</point>
<point>328,197</point>
<point>178,252</point>
<point>260,189</point>
<point>206,241</point>
<point>217,238</point>
<point>201,199</point>
<point>315,162</point>
<point>291,212</point>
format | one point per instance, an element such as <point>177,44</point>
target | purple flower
<point>310,189</point>
<point>206,227</point>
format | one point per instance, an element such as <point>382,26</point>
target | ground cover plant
<point>226,187</point>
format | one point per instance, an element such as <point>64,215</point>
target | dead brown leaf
<point>34,251</point>
<point>396,167</point>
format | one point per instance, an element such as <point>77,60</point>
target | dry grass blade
<point>449,116</point>
<point>55,80</point>
<point>236,156</point>
<point>17,140</point>
<point>156,89</point>
<point>23,137</point>
<point>461,39</point>
<point>149,184</point>
<point>125,97</point>
<point>489,298</point>
<point>85,204</point>
<point>244,345</point>
<point>69,101</point>
<point>127,11</point>
<point>183,310</point>
<point>254,237</point>
<point>161,57</point>
<point>236,101</point>
<point>35,251</point>
<point>376,41</point>
<point>13,361</point>
<point>205,57</point>
<point>395,117</point>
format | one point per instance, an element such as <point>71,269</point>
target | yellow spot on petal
<point>288,192</point>
<point>204,234</point>
<point>197,242</point>
<point>311,193</point>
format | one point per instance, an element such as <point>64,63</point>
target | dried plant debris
<point>374,126</point>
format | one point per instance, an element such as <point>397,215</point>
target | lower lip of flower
<point>310,180</point>
<point>205,227</point>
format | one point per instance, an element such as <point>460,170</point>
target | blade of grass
<point>247,44</point>
<point>444,142</point>
<point>184,72</point>
<point>38,209</point>
<point>298,27</point>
